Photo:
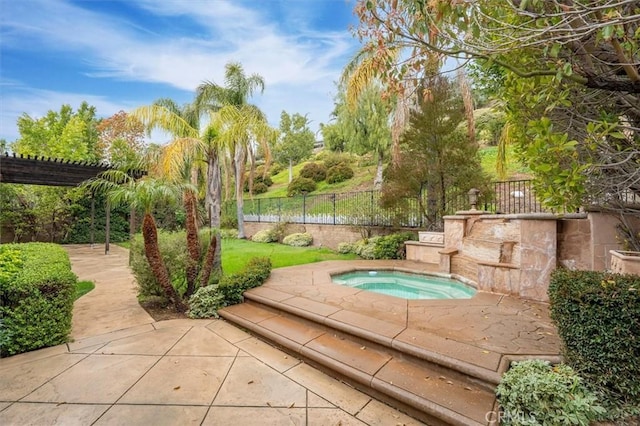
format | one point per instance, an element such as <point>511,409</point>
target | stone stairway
<point>433,387</point>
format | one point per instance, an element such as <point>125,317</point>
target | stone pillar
<point>538,256</point>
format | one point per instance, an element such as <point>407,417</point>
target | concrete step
<point>432,392</point>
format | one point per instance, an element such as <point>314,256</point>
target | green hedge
<point>598,319</point>
<point>37,290</point>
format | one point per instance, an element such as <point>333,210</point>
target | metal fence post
<point>304,208</point>
<point>334,209</point>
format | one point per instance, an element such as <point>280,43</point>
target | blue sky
<point>118,55</point>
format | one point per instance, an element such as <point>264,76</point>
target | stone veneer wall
<point>511,254</point>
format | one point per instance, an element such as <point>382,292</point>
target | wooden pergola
<point>30,170</point>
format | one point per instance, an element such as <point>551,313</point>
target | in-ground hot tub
<point>406,285</point>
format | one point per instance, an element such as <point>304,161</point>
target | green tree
<point>365,127</point>
<point>61,134</point>
<point>48,212</point>
<point>437,156</point>
<point>238,121</point>
<point>296,140</point>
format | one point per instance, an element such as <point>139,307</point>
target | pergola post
<point>93,216</point>
<point>107,229</point>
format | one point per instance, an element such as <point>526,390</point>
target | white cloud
<point>299,68</point>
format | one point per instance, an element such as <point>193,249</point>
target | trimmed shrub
<point>260,184</point>
<point>339,173</point>
<point>301,185</point>
<point>314,171</point>
<point>229,234</point>
<point>392,246</point>
<point>300,239</point>
<point>345,248</point>
<point>366,248</point>
<point>334,159</point>
<point>265,236</point>
<point>206,301</point>
<point>37,290</point>
<point>598,319</point>
<point>275,169</point>
<point>533,392</point>
<point>258,188</point>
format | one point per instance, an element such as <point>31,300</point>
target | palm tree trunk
<point>207,267</point>
<point>239,160</point>
<point>193,244</point>
<point>214,203</point>
<point>152,251</point>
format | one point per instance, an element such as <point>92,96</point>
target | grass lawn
<point>236,254</point>
<point>83,287</point>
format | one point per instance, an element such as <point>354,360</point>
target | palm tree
<point>241,129</point>
<point>144,194</point>
<point>239,118</point>
<point>180,161</point>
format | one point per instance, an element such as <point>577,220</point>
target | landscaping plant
<point>37,290</point>
<point>598,319</point>
<point>206,301</point>
<point>533,392</point>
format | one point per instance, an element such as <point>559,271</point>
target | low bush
<point>314,171</point>
<point>386,247</point>
<point>275,169</point>
<point>206,301</point>
<point>300,239</point>
<point>258,188</point>
<point>392,246</point>
<point>229,234</point>
<point>366,248</point>
<point>344,248</point>
<point>339,173</point>
<point>261,183</point>
<point>333,159</point>
<point>533,392</point>
<point>301,185</point>
<point>264,236</point>
<point>37,290</point>
<point>598,319</point>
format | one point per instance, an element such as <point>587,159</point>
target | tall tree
<point>60,134</point>
<point>437,156</point>
<point>296,140</point>
<point>571,80</point>
<point>235,93</point>
<point>365,127</point>
<point>120,139</point>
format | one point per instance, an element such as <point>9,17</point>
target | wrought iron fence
<point>364,208</point>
